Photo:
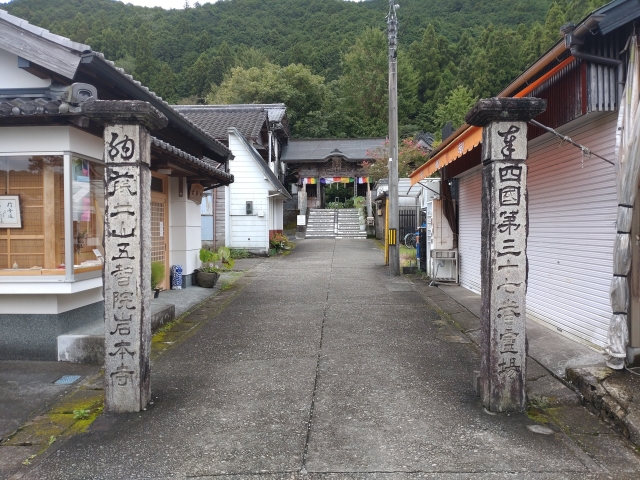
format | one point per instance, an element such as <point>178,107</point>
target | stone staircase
<point>342,223</point>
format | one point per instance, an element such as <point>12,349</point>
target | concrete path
<point>323,366</point>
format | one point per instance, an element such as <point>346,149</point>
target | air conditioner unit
<point>445,265</point>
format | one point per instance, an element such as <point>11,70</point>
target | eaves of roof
<point>116,75</point>
<point>468,137</point>
<point>212,167</point>
<point>134,88</point>
<point>42,32</point>
<point>260,161</point>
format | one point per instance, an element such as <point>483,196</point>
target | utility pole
<point>393,222</point>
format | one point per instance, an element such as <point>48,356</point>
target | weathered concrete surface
<point>316,366</point>
<point>613,395</point>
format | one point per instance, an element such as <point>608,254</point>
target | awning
<point>468,137</point>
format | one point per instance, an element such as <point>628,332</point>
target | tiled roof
<point>216,120</point>
<point>28,106</point>
<point>206,163</point>
<point>314,150</point>
<point>276,111</point>
<point>157,97</point>
<point>41,32</point>
<point>85,51</point>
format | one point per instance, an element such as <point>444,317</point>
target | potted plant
<point>277,242</point>
<point>212,263</point>
<point>157,276</point>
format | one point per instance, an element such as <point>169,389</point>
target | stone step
<point>86,345</point>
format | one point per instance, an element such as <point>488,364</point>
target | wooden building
<point>314,164</point>
<point>572,195</point>
<point>52,173</point>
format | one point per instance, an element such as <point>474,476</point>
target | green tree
<point>293,85</point>
<point>454,108</point>
<point>197,78</point>
<point>165,83</point>
<point>364,84</point>
<point>430,56</point>
<point>410,157</point>
<point>554,20</point>
<point>145,63</point>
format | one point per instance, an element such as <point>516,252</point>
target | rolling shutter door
<point>469,224</point>
<point>572,214</point>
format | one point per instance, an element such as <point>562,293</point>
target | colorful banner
<point>362,180</point>
<point>309,181</point>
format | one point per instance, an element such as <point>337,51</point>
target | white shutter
<point>572,214</point>
<point>469,224</point>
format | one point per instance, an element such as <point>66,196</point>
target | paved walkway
<point>322,366</point>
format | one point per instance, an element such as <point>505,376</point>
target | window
<point>88,213</point>
<point>37,247</point>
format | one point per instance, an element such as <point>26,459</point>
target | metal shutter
<point>469,224</point>
<point>572,214</point>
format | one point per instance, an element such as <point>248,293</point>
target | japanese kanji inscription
<point>127,303</point>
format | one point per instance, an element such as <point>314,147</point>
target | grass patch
<point>407,256</point>
<point>239,253</point>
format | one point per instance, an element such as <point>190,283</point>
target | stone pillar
<point>127,250</point>
<point>504,248</point>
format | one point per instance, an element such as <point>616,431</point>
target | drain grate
<point>66,380</point>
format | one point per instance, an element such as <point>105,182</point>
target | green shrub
<point>239,253</point>
<point>216,261</point>
<point>157,274</point>
<point>279,241</point>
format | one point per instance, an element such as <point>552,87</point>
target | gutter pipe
<point>574,39</point>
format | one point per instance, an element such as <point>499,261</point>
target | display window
<point>36,233</point>
<point>88,213</point>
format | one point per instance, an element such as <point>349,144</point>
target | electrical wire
<point>585,150</point>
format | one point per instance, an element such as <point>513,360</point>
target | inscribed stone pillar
<point>127,254</point>
<point>504,248</point>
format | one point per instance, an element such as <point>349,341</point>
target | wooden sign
<point>195,193</point>
<point>10,211</point>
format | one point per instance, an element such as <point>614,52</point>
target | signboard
<point>195,193</point>
<point>10,211</point>
<point>302,220</point>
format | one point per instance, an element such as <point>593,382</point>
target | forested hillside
<point>326,59</point>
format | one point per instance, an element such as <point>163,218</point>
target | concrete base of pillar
<point>86,345</point>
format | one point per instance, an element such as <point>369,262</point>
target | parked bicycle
<point>410,240</point>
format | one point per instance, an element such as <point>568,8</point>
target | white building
<point>52,172</point>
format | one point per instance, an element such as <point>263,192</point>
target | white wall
<point>184,229</point>
<point>15,140</point>
<point>13,77</point>
<point>278,214</point>
<point>247,231</point>
<point>49,303</point>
